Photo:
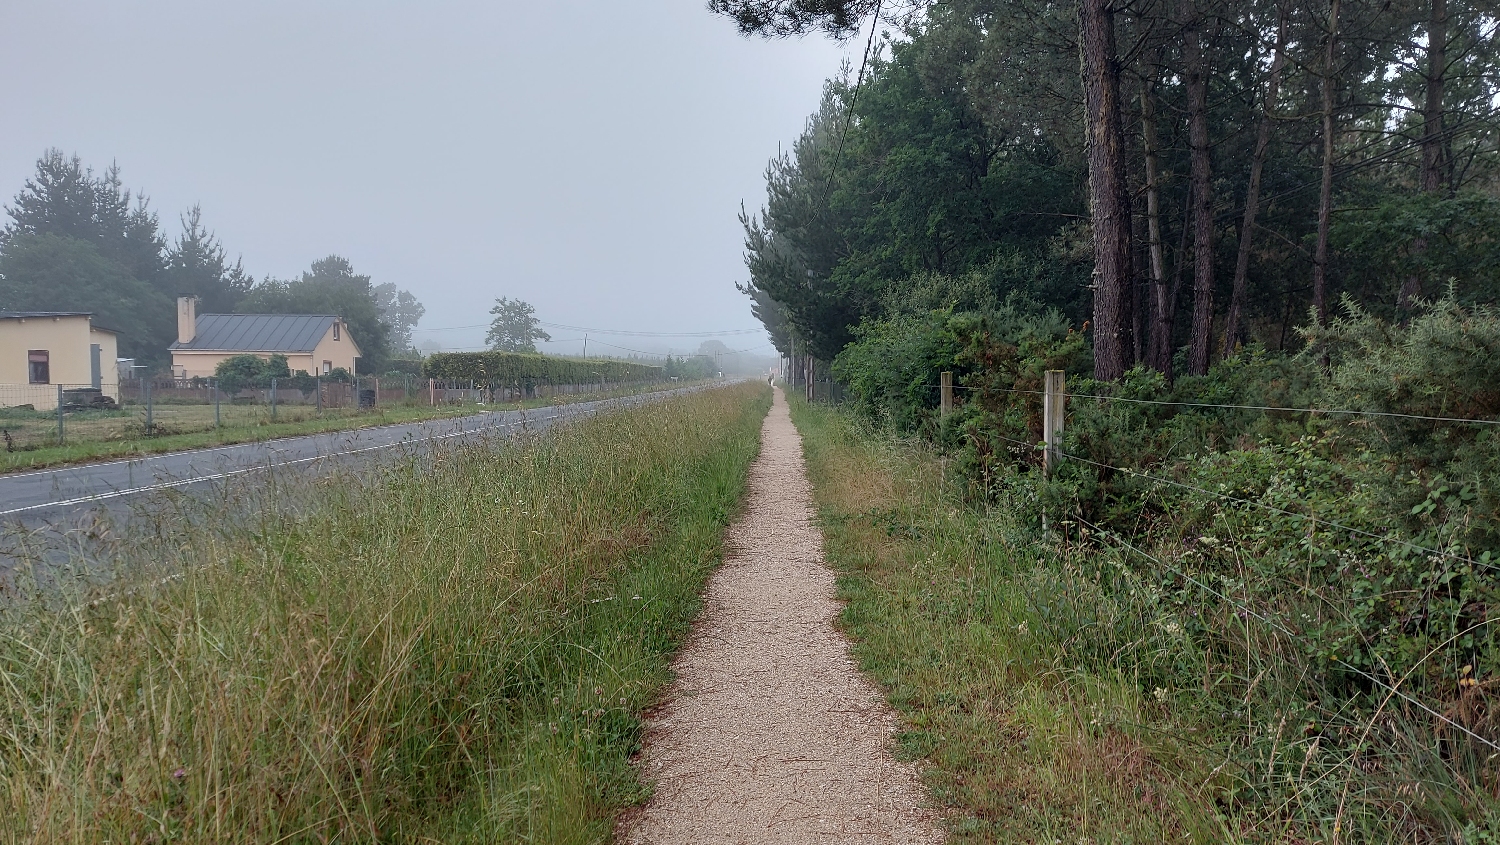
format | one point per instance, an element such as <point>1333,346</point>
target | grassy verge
<point>131,441</point>
<point>1059,691</point>
<point>456,649</point>
<point>1015,672</point>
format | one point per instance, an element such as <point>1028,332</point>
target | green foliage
<point>922,185</point>
<point>49,272</point>
<point>1208,690</point>
<point>1443,363</point>
<point>1439,239</point>
<point>401,312</point>
<point>404,366</point>
<point>893,369</point>
<point>196,266</point>
<point>512,368</point>
<point>1357,547</point>
<point>65,199</point>
<point>688,368</point>
<point>514,327</point>
<point>352,680</point>
<point>244,371</point>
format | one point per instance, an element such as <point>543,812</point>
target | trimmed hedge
<point>499,368</point>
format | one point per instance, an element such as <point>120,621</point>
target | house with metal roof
<point>312,343</point>
<point>44,353</point>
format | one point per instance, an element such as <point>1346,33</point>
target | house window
<point>38,368</point>
<point>335,330</point>
<point>327,367</point>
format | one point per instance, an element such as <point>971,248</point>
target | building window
<point>335,329</point>
<point>327,367</point>
<point>38,368</point>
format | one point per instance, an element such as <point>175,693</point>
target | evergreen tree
<point>196,266</point>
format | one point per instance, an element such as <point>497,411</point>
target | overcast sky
<point>588,156</point>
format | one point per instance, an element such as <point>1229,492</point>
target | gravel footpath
<point>770,733</point>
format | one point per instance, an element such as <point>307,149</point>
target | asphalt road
<point>45,507</point>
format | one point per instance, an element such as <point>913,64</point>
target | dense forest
<point>81,241</point>
<point>1251,165</point>
<point>1262,241</point>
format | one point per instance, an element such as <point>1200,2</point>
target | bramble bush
<point>1333,557</point>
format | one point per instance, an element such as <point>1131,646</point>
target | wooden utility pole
<point>1054,406</point>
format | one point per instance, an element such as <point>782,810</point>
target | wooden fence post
<point>945,400</point>
<point>1054,405</point>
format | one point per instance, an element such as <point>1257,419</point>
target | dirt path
<point>770,733</point>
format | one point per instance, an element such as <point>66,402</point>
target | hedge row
<point>515,368</point>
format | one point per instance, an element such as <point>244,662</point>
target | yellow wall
<point>342,352</point>
<point>66,340</point>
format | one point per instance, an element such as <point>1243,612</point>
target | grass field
<point>450,650</point>
<point>1018,664</point>
<point>31,437</point>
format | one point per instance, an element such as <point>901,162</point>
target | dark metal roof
<point>258,332</point>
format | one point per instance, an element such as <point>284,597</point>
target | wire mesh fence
<point>35,416</point>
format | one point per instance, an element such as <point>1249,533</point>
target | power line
<point>853,100</point>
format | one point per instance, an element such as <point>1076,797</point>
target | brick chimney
<point>187,318</point>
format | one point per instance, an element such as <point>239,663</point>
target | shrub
<point>242,371</point>
<point>513,368</point>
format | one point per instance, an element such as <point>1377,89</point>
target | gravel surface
<point>770,733</point>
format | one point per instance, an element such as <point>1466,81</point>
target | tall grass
<point>452,649</point>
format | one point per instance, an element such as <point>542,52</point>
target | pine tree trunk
<point>1201,175</point>
<point>1325,195</point>
<point>1159,352</point>
<point>1434,146</point>
<point>1108,200</point>
<point>1234,329</point>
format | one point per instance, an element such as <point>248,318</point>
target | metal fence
<point>34,416</point>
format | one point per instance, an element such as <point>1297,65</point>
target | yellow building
<point>42,350</point>
<point>312,343</point>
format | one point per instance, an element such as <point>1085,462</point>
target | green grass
<point>1019,743</point>
<point>94,435</point>
<point>452,650</point>
<point>1056,693</point>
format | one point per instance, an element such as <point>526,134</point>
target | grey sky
<point>585,155</point>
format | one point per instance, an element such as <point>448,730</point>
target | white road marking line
<point>167,485</point>
<point>253,444</point>
<point>563,411</point>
